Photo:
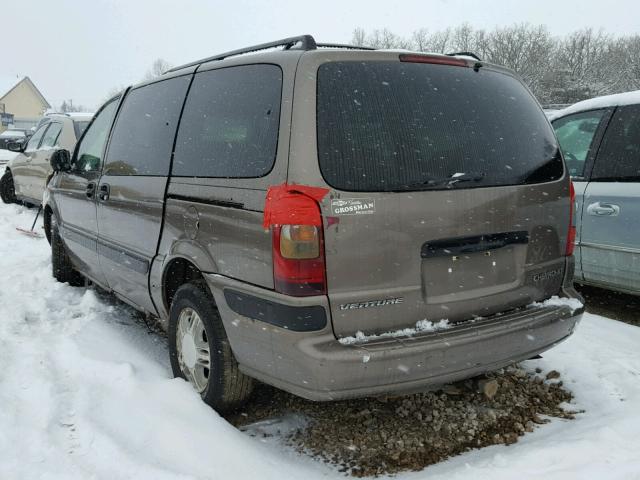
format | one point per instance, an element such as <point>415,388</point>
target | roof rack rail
<point>341,45</point>
<point>307,42</point>
<point>465,54</point>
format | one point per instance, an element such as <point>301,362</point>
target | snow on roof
<point>7,82</point>
<point>616,100</point>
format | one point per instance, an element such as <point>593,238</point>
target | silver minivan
<point>334,221</point>
<point>600,139</point>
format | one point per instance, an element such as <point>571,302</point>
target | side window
<point>89,152</point>
<point>34,141</point>
<point>575,134</point>
<point>619,155</point>
<point>50,138</point>
<point>143,135</point>
<point>229,127</point>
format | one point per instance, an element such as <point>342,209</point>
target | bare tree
<point>158,67</point>
<point>383,39</point>
<point>440,42</point>
<point>582,64</point>
<point>420,40</point>
<point>68,106</point>
<point>359,37</point>
<point>463,39</point>
<point>523,48</point>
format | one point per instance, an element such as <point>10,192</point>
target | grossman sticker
<point>352,206</point>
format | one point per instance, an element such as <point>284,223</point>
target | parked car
<point>81,120</point>
<point>600,139</point>
<point>336,222</point>
<point>13,136</point>
<point>27,174</point>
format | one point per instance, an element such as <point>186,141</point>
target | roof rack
<point>307,42</point>
<point>301,42</point>
<point>464,54</point>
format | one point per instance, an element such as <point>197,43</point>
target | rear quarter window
<point>390,125</point>
<point>576,134</point>
<point>619,155</point>
<point>229,128</point>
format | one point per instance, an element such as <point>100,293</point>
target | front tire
<point>7,188</point>
<point>61,266</point>
<point>200,352</point>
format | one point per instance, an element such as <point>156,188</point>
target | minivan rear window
<point>390,125</point>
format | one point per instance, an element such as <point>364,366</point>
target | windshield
<point>385,126</point>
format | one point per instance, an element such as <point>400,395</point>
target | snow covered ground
<point>86,392</point>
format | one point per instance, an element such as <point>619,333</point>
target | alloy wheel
<point>192,345</point>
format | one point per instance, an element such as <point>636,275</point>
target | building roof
<point>9,82</point>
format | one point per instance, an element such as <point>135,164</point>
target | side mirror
<point>16,146</point>
<point>60,160</point>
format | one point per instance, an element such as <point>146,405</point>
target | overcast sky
<point>82,49</point>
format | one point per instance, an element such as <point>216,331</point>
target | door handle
<point>104,191</point>
<point>599,209</point>
<point>91,189</point>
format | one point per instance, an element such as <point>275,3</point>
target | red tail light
<point>298,260</point>
<point>571,235</point>
<point>435,59</point>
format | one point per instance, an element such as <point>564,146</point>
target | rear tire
<point>61,266</point>
<point>7,188</point>
<point>200,352</point>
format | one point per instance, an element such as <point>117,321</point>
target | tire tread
<point>7,188</point>
<point>61,266</point>
<point>233,387</point>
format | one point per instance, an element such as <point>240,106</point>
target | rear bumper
<point>314,365</point>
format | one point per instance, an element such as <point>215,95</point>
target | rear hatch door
<point>447,200</point>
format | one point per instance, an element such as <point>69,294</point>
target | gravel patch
<point>371,437</point>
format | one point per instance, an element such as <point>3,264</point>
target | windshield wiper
<point>447,182</point>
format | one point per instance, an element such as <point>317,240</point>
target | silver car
<point>28,173</point>
<point>600,140</point>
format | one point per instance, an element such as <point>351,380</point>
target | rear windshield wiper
<point>447,182</point>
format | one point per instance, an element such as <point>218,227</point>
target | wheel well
<point>46,218</point>
<point>178,272</point>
